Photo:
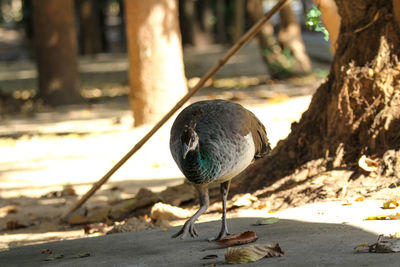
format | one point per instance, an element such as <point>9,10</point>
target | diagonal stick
<point>221,62</point>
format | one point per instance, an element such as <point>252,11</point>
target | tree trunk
<point>357,110</point>
<point>156,74</point>
<point>193,29</point>
<point>290,37</point>
<point>331,20</point>
<point>279,65</point>
<point>56,51</point>
<point>90,36</point>
<point>220,13</point>
<point>239,20</point>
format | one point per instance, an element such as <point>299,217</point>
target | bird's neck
<point>198,166</point>
<point>198,158</point>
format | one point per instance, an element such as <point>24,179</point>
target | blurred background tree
<point>156,74</point>
<point>56,51</point>
<point>64,36</point>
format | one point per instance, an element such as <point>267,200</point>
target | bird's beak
<point>185,150</point>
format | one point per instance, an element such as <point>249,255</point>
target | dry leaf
<point>95,228</point>
<point>347,203</point>
<point>392,204</point>
<point>266,221</point>
<point>367,164</point>
<point>238,239</point>
<point>53,257</point>
<point>82,255</point>
<point>260,205</point>
<point>208,257</point>
<point>384,217</point>
<point>380,246</point>
<point>46,251</point>
<point>251,253</point>
<point>377,217</point>
<point>359,199</point>
<point>155,165</point>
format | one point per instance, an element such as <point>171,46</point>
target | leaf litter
<point>238,239</point>
<point>380,246</point>
<point>251,253</point>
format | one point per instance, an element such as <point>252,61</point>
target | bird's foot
<point>188,227</point>
<point>220,236</point>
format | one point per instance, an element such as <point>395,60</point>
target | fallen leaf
<point>359,199</point>
<point>53,257</point>
<point>251,253</point>
<point>155,165</point>
<point>260,205</point>
<point>132,224</point>
<point>238,239</point>
<point>347,203</point>
<point>367,164</point>
<point>95,228</point>
<point>377,217</point>
<point>384,217</point>
<point>46,251</point>
<point>380,246</point>
<point>266,221</point>
<point>208,257</point>
<point>82,255</point>
<point>392,204</point>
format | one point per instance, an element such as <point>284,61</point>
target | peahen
<point>213,141</point>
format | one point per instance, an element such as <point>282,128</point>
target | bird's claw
<point>188,227</point>
<point>220,236</point>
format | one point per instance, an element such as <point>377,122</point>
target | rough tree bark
<point>56,51</point>
<point>156,74</point>
<point>356,111</point>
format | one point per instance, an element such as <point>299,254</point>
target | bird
<point>213,141</point>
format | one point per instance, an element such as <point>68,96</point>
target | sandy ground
<point>78,146</point>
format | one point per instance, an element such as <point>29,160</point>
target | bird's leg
<point>224,227</point>
<point>189,226</point>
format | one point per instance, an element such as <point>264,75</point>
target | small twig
<point>249,34</point>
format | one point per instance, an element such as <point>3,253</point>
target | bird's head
<point>189,138</point>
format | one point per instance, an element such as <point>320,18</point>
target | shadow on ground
<point>304,243</point>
